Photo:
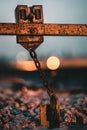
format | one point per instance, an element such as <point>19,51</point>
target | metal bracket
<point>30,28</point>
<point>25,14</point>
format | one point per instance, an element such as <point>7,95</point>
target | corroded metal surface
<point>43,29</point>
<point>50,113</point>
<point>32,45</point>
<point>25,14</point>
<point>30,39</point>
<point>65,29</point>
<point>21,29</point>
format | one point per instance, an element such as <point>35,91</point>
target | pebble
<point>17,105</point>
<point>24,89</point>
<point>15,111</point>
<point>22,110</point>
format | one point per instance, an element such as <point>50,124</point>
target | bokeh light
<point>53,62</point>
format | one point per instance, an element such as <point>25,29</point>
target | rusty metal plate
<point>25,14</point>
<point>46,118</point>
<point>50,113</point>
<point>30,45</point>
<point>30,41</point>
<point>43,29</point>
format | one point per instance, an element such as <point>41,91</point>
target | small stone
<point>0,122</point>
<point>6,119</point>
<point>26,113</point>
<point>18,100</point>
<point>23,107</point>
<point>24,123</point>
<point>24,89</point>
<point>33,124</point>
<point>15,111</point>
<point>17,105</point>
<point>6,126</point>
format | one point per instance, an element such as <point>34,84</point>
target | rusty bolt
<point>32,30</point>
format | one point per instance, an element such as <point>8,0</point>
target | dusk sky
<point>55,11</point>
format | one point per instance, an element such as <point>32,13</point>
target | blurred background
<point>64,59</point>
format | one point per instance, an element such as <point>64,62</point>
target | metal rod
<point>43,29</point>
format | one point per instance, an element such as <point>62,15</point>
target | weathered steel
<point>21,29</point>
<point>29,45</point>
<point>29,39</point>
<point>25,14</point>
<point>66,29</point>
<point>50,113</point>
<point>43,29</point>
